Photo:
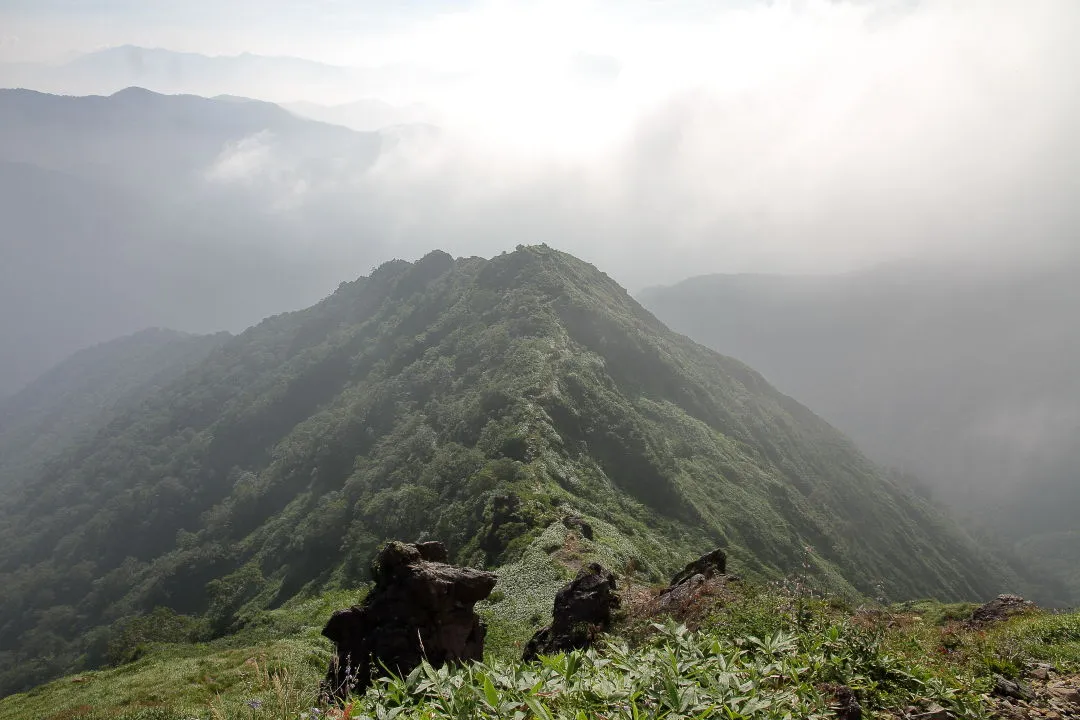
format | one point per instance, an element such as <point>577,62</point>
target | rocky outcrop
<point>574,522</point>
<point>420,608</point>
<point>1000,608</point>
<point>1018,689</point>
<point>708,565</point>
<point>583,609</point>
<point>1043,694</point>
<point>690,582</point>
<point>844,703</point>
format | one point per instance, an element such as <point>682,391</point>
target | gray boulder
<point>1000,608</point>
<point>584,608</point>
<point>420,608</point>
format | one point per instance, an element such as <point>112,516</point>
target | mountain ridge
<point>467,400</point>
<point>961,377</point>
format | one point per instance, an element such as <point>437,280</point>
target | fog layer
<point>658,143</point>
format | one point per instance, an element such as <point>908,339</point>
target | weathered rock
<point>1000,608</point>
<point>433,551</point>
<point>682,594</point>
<point>1007,711</point>
<point>420,608</point>
<point>584,608</point>
<point>1065,692</point>
<point>1058,699</point>
<point>1004,687</point>
<point>689,583</point>
<point>844,704</point>
<point>708,565</point>
<point>573,522</point>
<point>1039,671</point>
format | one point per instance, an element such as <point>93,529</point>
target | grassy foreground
<point>747,651</point>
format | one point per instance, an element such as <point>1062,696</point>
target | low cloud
<point>594,69</point>
<point>786,137</point>
<point>790,136</point>
<point>244,161</point>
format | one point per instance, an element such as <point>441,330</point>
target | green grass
<point>522,599</point>
<point>1046,638</point>
<point>177,682</point>
<point>760,652</point>
<point>937,613</point>
<point>276,660</point>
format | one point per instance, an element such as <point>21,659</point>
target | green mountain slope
<point>964,377</point>
<point>79,396</point>
<point>474,401</point>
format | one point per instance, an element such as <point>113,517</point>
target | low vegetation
<point>750,651</point>
<point>891,332</point>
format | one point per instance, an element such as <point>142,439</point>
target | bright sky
<point>580,68</point>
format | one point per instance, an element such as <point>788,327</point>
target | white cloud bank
<point>243,161</point>
<point>667,139</point>
<point>790,136</point>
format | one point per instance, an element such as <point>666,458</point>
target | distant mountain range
<point>277,79</point>
<point>141,209</point>
<point>964,378</point>
<point>477,402</point>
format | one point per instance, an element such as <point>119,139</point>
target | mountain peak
<point>135,92</point>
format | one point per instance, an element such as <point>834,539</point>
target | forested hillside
<point>73,400</point>
<point>962,377</point>
<point>473,401</point>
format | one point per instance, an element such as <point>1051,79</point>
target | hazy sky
<point>661,139</point>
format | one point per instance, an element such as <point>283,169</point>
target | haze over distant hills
<point>82,394</point>
<point>966,378</point>
<point>141,209</point>
<point>365,115</point>
<point>276,79</point>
